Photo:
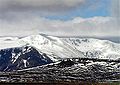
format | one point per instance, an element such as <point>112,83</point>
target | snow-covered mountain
<point>60,48</point>
<point>95,48</point>
<point>34,50</point>
<point>54,47</point>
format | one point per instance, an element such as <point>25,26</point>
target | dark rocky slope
<point>21,58</point>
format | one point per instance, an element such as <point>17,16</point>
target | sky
<point>60,17</point>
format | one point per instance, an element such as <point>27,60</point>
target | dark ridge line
<point>93,59</point>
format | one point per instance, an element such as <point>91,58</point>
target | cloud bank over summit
<point>95,26</point>
<point>26,17</point>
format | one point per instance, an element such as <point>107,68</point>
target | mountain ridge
<point>44,49</point>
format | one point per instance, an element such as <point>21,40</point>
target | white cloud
<point>96,26</point>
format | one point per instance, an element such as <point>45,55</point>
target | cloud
<point>116,11</point>
<point>116,8</point>
<point>22,17</point>
<point>52,6</point>
<point>95,26</point>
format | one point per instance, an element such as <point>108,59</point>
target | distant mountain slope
<point>95,48</point>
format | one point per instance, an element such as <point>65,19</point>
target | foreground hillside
<point>66,71</point>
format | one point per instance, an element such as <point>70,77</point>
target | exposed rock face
<point>21,57</point>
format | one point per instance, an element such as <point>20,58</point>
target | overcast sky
<point>60,17</point>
